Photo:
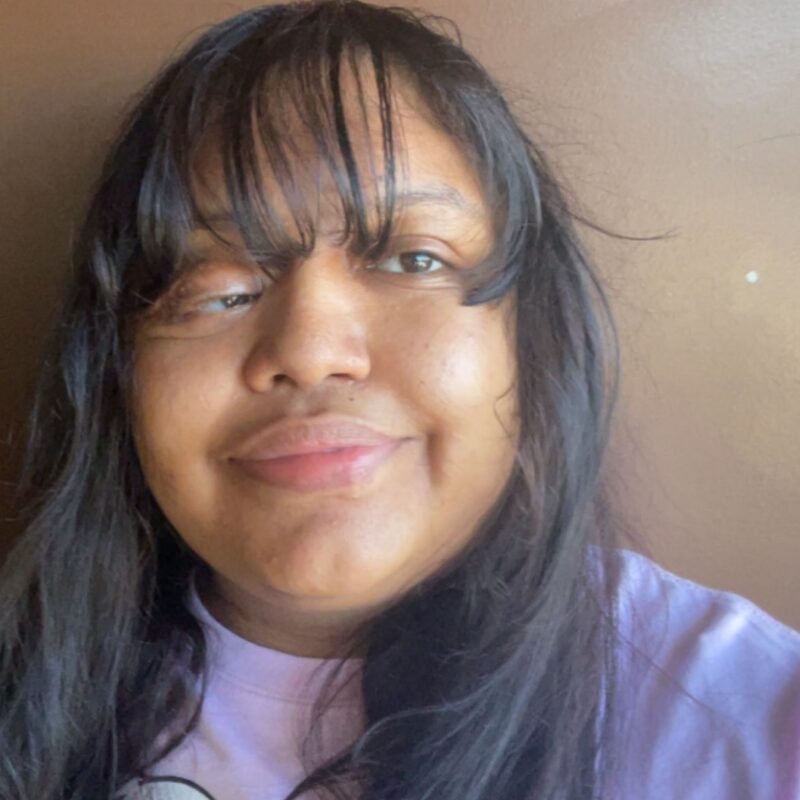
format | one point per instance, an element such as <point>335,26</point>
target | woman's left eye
<point>412,262</point>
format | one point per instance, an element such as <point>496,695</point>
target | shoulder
<point>696,625</point>
<point>709,689</point>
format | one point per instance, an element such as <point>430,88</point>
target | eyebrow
<point>437,193</point>
<point>440,194</point>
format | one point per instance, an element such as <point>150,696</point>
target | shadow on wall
<point>49,164</point>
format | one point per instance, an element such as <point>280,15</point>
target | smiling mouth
<point>329,468</point>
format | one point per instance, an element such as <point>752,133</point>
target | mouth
<point>320,469</point>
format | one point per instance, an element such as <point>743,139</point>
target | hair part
<point>492,678</point>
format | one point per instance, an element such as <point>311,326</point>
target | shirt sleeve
<point>709,692</point>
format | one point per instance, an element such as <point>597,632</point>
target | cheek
<point>458,370</point>
<point>461,362</point>
<point>178,399</point>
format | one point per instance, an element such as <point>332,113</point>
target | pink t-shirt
<point>735,737</point>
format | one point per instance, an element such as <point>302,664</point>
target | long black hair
<point>493,678</point>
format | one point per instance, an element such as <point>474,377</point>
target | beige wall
<point>673,115</point>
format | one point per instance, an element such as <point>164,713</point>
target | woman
<point>313,489</point>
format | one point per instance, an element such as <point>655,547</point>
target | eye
<point>411,262</point>
<point>211,289</point>
<point>227,301</point>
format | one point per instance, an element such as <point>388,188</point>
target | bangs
<point>257,128</point>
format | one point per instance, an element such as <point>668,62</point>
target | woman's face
<point>249,393</point>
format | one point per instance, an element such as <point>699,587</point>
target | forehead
<point>433,174</point>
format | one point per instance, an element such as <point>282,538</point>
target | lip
<point>315,454</point>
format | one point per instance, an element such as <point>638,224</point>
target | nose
<point>312,327</point>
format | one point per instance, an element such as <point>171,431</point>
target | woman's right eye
<point>226,302</point>
<point>185,308</point>
<point>210,290</point>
